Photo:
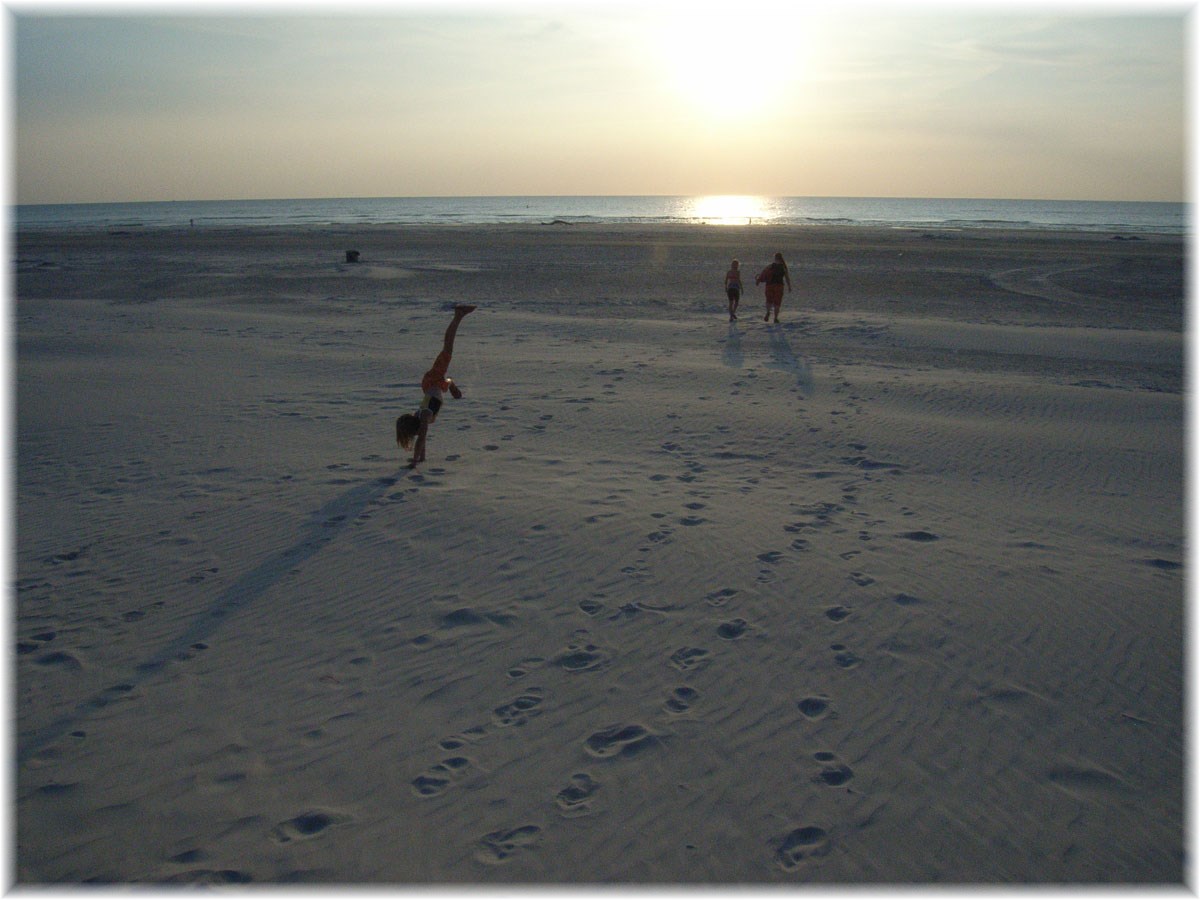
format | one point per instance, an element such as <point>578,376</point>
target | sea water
<point>1073,215</point>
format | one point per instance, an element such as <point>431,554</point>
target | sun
<point>715,65</point>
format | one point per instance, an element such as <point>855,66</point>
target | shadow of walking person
<point>732,355</point>
<point>785,359</point>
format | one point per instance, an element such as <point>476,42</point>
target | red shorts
<point>774,294</point>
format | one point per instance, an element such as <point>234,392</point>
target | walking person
<point>733,288</point>
<point>774,276</point>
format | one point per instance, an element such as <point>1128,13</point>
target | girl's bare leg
<point>460,312</point>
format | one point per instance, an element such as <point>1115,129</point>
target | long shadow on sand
<point>785,359</point>
<point>732,355</point>
<point>322,527</point>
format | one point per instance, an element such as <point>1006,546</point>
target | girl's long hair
<point>407,427</point>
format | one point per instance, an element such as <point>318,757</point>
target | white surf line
<point>322,527</point>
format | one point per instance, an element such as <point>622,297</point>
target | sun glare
<point>730,209</point>
<point>721,70</point>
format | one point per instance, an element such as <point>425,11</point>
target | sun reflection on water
<point>731,209</point>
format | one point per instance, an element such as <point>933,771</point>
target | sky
<point>1022,101</point>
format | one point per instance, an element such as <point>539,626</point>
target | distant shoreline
<point>564,212</point>
<point>620,229</point>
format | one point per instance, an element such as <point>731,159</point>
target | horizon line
<point>505,196</point>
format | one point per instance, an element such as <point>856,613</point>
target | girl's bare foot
<point>463,309</point>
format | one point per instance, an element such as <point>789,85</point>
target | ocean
<point>1073,215</point>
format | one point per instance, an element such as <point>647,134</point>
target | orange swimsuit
<point>434,383</point>
<point>435,379</point>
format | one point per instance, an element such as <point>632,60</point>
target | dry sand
<point>892,592</point>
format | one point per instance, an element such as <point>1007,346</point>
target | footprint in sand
<point>465,617</point>
<point>576,798</point>
<point>690,521</point>
<point>632,610</point>
<point>1076,777</point>
<point>721,597</point>
<point>460,740</point>
<point>837,613</point>
<point>844,658</point>
<point>621,741</point>
<point>663,536</point>
<point>732,630</point>
<point>307,825</point>
<point>56,789</point>
<point>68,556</point>
<point>500,846</point>
<point>833,773</point>
<point>681,700</point>
<point>188,857</point>
<point>210,876</point>
<point>814,708</point>
<point>61,660</point>
<point>921,537</point>
<point>687,659</point>
<point>439,777</point>
<point>525,666</point>
<point>582,657</point>
<point>520,710</point>
<point>800,844</point>
<point>36,641</point>
<point>870,465</point>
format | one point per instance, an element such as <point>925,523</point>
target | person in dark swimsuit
<point>733,288</point>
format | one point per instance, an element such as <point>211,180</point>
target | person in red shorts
<point>434,384</point>
<point>775,276</point>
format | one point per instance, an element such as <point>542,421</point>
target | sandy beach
<point>891,592</point>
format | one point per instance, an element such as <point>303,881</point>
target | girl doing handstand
<point>433,385</point>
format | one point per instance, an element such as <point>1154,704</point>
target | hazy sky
<point>611,98</point>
